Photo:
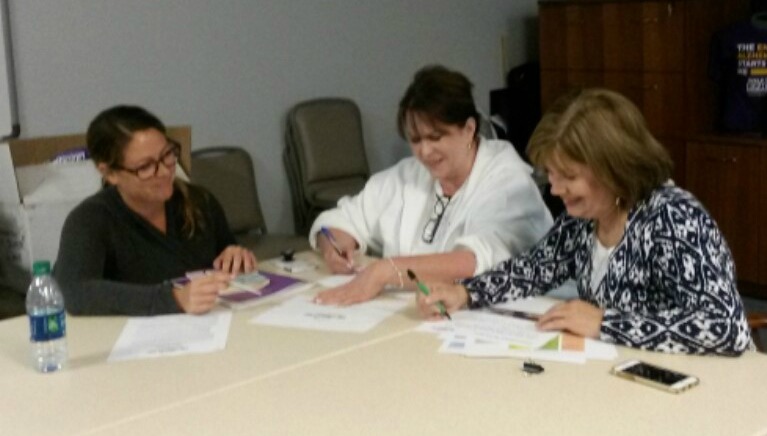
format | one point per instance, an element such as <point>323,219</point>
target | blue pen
<point>335,245</point>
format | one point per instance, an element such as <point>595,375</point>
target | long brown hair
<point>111,131</point>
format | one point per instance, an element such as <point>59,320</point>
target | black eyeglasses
<point>169,157</point>
<point>430,229</point>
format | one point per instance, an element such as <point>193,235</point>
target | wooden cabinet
<point>570,36</point>
<point>652,51</point>
<point>660,96</point>
<point>726,176</point>
<point>655,52</point>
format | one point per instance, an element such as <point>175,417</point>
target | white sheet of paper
<point>594,350</point>
<point>457,339</point>
<point>455,344</point>
<point>438,327</point>
<point>537,305</point>
<point>498,328</point>
<point>302,312</point>
<point>295,266</point>
<point>477,349</point>
<point>600,350</point>
<point>335,280</point>
<point>171,335</point>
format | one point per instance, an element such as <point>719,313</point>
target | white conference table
<point>391,380</point>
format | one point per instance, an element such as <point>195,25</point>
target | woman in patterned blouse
<point>652,268</point>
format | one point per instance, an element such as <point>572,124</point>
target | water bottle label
<point>47,327</point>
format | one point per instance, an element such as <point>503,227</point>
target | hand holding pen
<point>439,304</point>
<point>198,295</point>
<point>338,250</point>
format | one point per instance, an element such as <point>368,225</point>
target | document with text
<point>483,334</point>
<point>302,312</point>
<point>171,335</point>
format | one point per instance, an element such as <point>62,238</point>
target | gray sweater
<point>112,261</point>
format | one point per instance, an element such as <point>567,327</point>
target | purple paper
<point>276,284</point>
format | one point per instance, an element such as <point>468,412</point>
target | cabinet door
<point>570,36</point>
<point>678,151</point>
<point>726,179</point>
<point>663,29</point>
<point>643,36</point>
<point>663,103</point>
<point>660,97</point>
<point>623,45</point>
<point>556,83</point>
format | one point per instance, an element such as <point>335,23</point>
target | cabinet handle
<point>724,160</point>
<point>670,9</point>
<point>653,20</point>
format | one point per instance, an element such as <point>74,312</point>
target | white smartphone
<point>655,376</point>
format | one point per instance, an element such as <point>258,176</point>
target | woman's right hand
<point>338,263</point>
<point>454,297</point>
<point>199,295</point>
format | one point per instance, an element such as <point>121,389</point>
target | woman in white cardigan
<point>458,206</point>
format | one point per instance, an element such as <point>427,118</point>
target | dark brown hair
<point>439,95</point>
<point>112,130</point>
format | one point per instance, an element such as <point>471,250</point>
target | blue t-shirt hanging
<point>738,64</point>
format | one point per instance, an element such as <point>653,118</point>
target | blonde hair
<point>605,131</point>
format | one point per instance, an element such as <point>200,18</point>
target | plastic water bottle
<point>47,320</point>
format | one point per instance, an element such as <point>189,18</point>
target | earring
<point>618,202</point>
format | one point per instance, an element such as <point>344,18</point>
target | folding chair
<point>324,156</point>
<point>227,172</point>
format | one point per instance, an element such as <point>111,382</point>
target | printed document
<point>302,312</point>
<point>171,335</point>
<point>483,334</point>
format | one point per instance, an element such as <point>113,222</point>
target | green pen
<point>425,291</point>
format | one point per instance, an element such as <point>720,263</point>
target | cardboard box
<point>36,197</point>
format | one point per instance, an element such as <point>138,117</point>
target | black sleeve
<point>86,239</point>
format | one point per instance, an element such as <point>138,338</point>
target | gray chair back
<point>324,155</point>
<point>227,172</point>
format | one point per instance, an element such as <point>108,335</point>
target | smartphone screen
<point>654,373</point>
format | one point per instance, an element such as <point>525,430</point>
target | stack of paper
<point>485,334</point>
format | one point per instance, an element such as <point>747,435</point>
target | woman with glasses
<point>455,208</point>
<point>121,247</point>
<point>653,270</point>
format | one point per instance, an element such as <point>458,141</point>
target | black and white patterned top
<point>670,283</point>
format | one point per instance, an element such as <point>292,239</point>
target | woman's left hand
<point>235,259</point>
<point>575,316</point>
<point>366,285</point>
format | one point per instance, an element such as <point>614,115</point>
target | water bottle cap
<point>41,267</point>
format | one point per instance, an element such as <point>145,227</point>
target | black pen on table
<point>425,291</point>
